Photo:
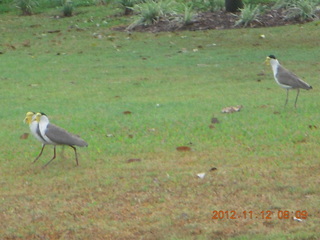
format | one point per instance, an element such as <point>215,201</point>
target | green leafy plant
<point>283,4</point>
<point>256,2</point>
<point>46,4</point>
<point>101,2</point>
<point>248,14</point>
<point>151,11</point>
<point>188,15</point>
<point>27,7</point>
<point>209,5</point>
<point>128,5</point>
<point>68,8</point>
<point>5,6</point>
<point>302,10</point>
<point>214,5</point>
<point>87,3</point>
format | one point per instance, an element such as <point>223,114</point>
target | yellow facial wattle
<point>38,116</point>
<point>267,61</point>
<point>28,118</point>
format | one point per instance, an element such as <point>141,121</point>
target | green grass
<point>266,155</point>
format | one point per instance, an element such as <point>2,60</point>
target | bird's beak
<point>267,61</point>
<point>38,115</point>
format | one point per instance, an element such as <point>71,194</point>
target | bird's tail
<point>82,143</point>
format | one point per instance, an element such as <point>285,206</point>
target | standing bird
<point>286,79</point>
<point>34,129</point>
<point>55,135</point>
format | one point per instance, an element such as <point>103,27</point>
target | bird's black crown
<point>272,56</point>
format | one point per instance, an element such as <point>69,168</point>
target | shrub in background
<point>27,7</point>
<point>299,9</point>
<point>209,5</point>
<point>188,15</point>
<point>248,14</point>
<point>128,5</point>
<point>150,12</point>
<point>68,8</point>
<point>302,10</point>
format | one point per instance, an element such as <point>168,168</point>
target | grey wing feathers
<point>62,137</point>
<point>288,78</point>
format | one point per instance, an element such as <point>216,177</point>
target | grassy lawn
<point>84,76</point>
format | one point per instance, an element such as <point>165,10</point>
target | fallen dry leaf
<point>24,136</point>
<point>232,109</point>
<point>214,120</point>
<point>133,160</point>
<point>26,43</point>
<point>183,149</point>
<point>53,31</point>
<point>11,46</point>
<point>35,25</point>
<point>127,112</point>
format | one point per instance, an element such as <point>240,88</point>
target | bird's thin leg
<point>287,97</point>
<point>295,103</point>
<point>43,145</point>
<point>75,151</point>
<point>54,156</point>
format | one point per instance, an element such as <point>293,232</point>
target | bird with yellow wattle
<point>50,134</point>
<point>285,78</point>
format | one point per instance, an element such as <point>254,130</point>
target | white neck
<point>34,128</point>
<point>43,124</point>
<point>44,120</point>
<point>274,64</point>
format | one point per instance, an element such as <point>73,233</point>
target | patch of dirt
<point>218,20</point>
